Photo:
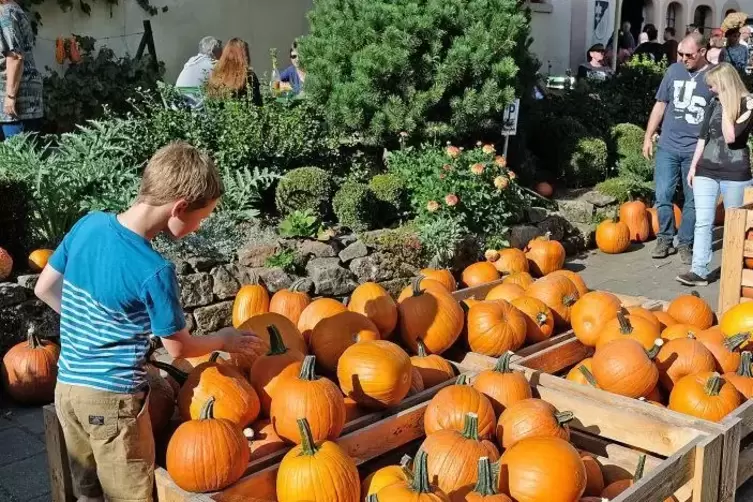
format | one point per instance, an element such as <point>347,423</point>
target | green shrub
<point>630,95</point>
<point>625,188</point>
<point>285,259</point>
<point>305,188</point>
<point>14,219</point>
<point>440,239</point>
<point>553,141</point>
<point>588,163</point>
<point>354,206</point>
<point>300,224</point>
<point>636,166</point>
<point>628,139</point>
<point>389,190</point>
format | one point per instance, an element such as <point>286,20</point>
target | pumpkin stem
<point>503,363</point>
<point>462,379</point>
<point>588,376</point>
<point>714,385</point>
<point>32,337</point>
<point>178,375</point>
<point>485,484</point>
<point>564,417</point>
<point>691,335</point>
<point>207,411</point>
<point>639,468</point>
<point>308,446</point>
<point>695,293</point>
<point>297,286</point>
<point>416,283</point>
<point>277,344</point>
<point>735,341</point>
<point>625,327</point>
<point>745,361</point>
<point>570,300</point>
<point>421,348</point>
<point>308,372</point>
<point>541,319</point>
<point>372,498</point>
<point>253,278</point>
<point>214,357</point>
<point>470,428</point>
<point>654,351</point>
<point>421,474</point>
<point>405,465</point>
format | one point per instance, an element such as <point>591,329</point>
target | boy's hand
<point>242,341</point>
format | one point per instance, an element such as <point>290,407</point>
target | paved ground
<point>23,462</point>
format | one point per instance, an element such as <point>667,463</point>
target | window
<point>671,15</point>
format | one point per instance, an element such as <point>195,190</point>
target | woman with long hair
<point>721,163</point>
<point>233,75</point>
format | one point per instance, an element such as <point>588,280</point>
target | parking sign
<point>510,118</point>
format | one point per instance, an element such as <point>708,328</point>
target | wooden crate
<point>735,249</point>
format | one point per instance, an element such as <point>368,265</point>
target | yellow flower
<point>488,149</point>
<point>501,182</point>
<point>432,206</point>
<point>477,169</point>
<point>500,161</point>
<point>453,152</point>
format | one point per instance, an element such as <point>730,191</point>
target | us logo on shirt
<point>691,107</point>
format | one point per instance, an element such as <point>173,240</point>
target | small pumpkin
<point>678,330</point>
<point>373,301</point>
<point>539,318</point>
<point>258,325</point>
<point>453,456</point>
<point>433,316</point>
<point>495,327</point>
<point>594,476</point>
<point>333,335</point>
<point>545,255</point>
<point>6,264</point>
<point>654,215</point>
<point>582,373</point>
<point>692,309</point>
<point>486,486</point>
<point>624,367</point>
<point>501,385</point>
<point>376,374</point>
<point>704,395</point>
<point>449,407</point>
<point>208,453</point>
<point>317,472</point>
<point>738,320</point>
<point>264,440</point>
<point>317,310</point>
<point>665,320</point>
<point>434,369</point>
<point>425,284</point>
<point>544,189</point>
<point>559,294</point>
<point>387,476</point>
<point>252,299</point>
<point>632,327</point>
<point>442,276</point>
<point>742,379</point>
<point>60,50</point>
<point>38,259</point>
<point>507,292</point>
<point>522,279</point>
<point>634,215</point>
<point>681,357</point>
<point>726,350</point>
<point>30,369</point>
<point>575,278</point>
<point>613,490</point>
<point>590,313</point>
<point>306,395</point>
<point>291,302</point>
<point>479,273</point>
<point>645,314</point>
<point>612,237</point>
<point>532,418</point>
<point>511,260</point>
<point>414,488</point>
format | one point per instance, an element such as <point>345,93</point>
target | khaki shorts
<point>109,441</point>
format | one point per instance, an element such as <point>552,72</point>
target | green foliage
<point>625,188</point>
<point>588,163</point>
<point>101,79</point>
<point>398,247</point>
<point>630,96</point>
<point>628,139</point>
<point>389,190</point>
<point>14,208</point>
<point>432,68</point>
<point>284,259</point>
<point>440,239</point>
<point>244,188</point>
<point>305,188</point>
<point>353,205</point>
<point>300,224</point>
<point>636,166</point>
<point>67,5</point>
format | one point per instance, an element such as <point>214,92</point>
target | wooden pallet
<point>735,249</point>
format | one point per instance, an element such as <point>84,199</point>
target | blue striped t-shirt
<point>116,290</point>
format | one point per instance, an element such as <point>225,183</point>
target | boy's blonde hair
<point>180,171</point>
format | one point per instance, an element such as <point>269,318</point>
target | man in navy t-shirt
<point>680,105</point>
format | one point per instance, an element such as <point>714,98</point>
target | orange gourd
<point>742,379</point>
<point>291,302</point>
<point>612,237</point>
<point>333,335</point>
<point>559,294</point>
<point>264,440</point>
<point>613,490</point>
<point>29,370</point>
<point>486,486</point>
<point>624,367</point>
<point>691,309</point>
<point>74,53</point>
<point>522,279</point>
<point>590,313</point>
<point>375,374</point>
<point>434,369</point>
<point>704,395</point>
<point>511,260</point>
<point>207,454</point>
<point>582,373</point>
<point>317,471</point>
<point>60,50</point>
<point>415,488</point>
<point>479,273</point>
<point>501,385</point>
<point>387,476</point>
<point>594,476</point>
<point>373,301</point>
<point>665,320</point>
<point>681,357</point>
<point>258,325</point>
<point>433,316</point>
<point>306,395</point>
<point>532,418</point>
<point>251,300</point>
<point>316,311</point>
<point>539,318</point>
<point>449,407</point>
<point>6,264</point>
<point>507,292</point>
<point>738,320</point>
<point>495,327</point>
<point>38,259</point>
<point>544,256</point>
<point>634,215</point>
<point>442,276</point>
<point>629,327</point>
<point>575,278</point>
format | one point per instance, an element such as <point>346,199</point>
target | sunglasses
<point>294,56</point>
<point>687,55</point>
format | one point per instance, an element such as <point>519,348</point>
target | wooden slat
<point>544,344</point>
<point>168,491</point>
<point>477,292</point>
<point>735,225</point>
<point>744,465</point>
<point>61,485</point>
<point>707,468</point>
<point>557,357</point>
<point>730,479</point>
<point>617,462</point>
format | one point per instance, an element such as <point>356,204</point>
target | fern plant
<point>243,190</point>
<point>285,259</point>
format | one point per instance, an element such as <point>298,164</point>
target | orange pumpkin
<point>582,373</point>
<point>613,490</point>
<point>594,476</point>
<point>425,284</point>
<point>486,486</point>
<point>522,279</point>
<point>532,418</point>
<point>559,294</point>
<point>726,351</point>
<point>575,278</point>
<point>208,453</point>
<point>692,309</point>
<point>30,369</point>
<point>612,237</point>
<point>634,215</point>
<point>632,327</point>
<point>306,395</point>
<point>38,259</point>
<point>479,273</point>
<point>495,327</point>
<point>434,369</point>
<point>433,316</point>
<point>681,357</point>
<point>6,264</point>
<point>539,318</point>
<point>258,325</point>
<point>738,320</point>
<point>544,189</point>
<point>251,300</point>
<point>677,213</point>
<point>678,331</point>
<point>449,407</point>
<point>590,313</point>
<point>665,320</point>
<point>442,276</point>
<point>501,385</point>
<point>387,476</point>
<point>511,260</point>
<point>544,256</point>
<point>507,292</point>
<point>373,301</point>
<point>264,440</point>
<point>742,379</point>
<point>415,487</point>
<point>333,335</point>
<point>624,367</point>
<point>375,374</point>
<point>317,310</point>
<point>704,395</point>
<point>291,302</point>
<point>644,313</point>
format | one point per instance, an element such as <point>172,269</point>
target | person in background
<point>721,163</point>
<point>642,39</point>
<point>294,75</point>
<point>692,29</point>
<point>745,36</point>
<point>628,41</point>
<point>233,76</point>
<point>670,45</point>
<point>680,110</point>
<point>716,44</point>
<point>652,48</point>
<point>196,71</point>
<point>594,68</point>
<point>20,81</point>
<point>734,53</point>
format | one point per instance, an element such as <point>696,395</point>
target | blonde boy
<point>112,289</point>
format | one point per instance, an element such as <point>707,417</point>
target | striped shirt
<point>116,291</point>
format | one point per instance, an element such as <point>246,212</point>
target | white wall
<point>550,29</point>
<point>262,23</point>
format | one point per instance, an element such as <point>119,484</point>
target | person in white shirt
<point>197,69</point>
<point>745,36</point>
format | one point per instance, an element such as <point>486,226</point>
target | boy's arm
<point>182,344</point>
<point>49,288</point>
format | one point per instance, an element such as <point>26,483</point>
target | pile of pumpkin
<point>675,358</point>
<point>37,261</point>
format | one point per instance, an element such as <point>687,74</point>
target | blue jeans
<point>706,191</point>
<point>11,129</point>
<point>672,167</point>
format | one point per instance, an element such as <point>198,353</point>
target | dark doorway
<point>632,12</point>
